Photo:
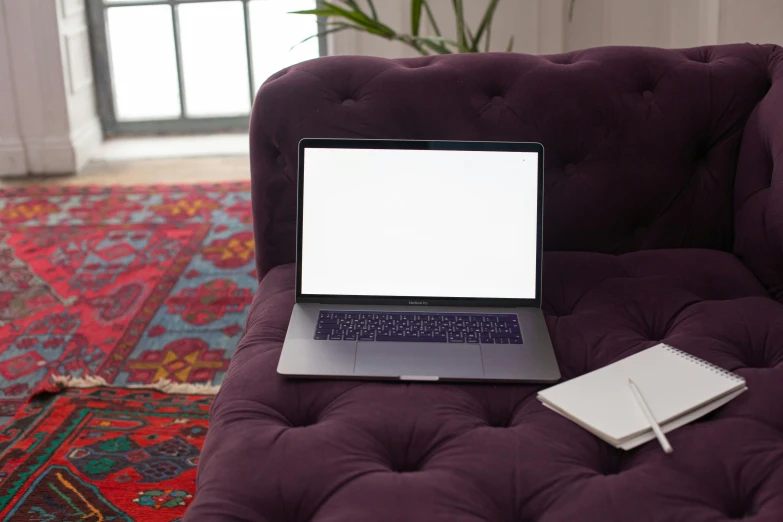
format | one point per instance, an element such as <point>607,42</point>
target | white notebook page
<point>671,382</point>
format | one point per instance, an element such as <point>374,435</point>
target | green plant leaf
<point>359,12</point>
<point>361,19</point>
<point>486,24</point>
<point>348,14</point>
<point>416,7</point>
<point>437,43</point>
<point>318,12</point>
<point>437,48</point>
<point>510,46</point>
<point>413,42</point>
<point>438,39</point>
<point>353,4</point>
<point>341,27</point>
<point>431,18</point>
<point>354,12</point>
<point>372,9</point>
<point>459,12</point>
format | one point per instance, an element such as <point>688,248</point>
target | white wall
<point>758,21</point>
<point>537,26</point>
<point>674,23</point>
<point>48,87</point>
<point>12,153</point>
<point>624,22</point>
<point>541,26</point>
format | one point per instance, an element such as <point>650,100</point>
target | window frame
<point>104,86</point>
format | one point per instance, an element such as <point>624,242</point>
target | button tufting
<point>482,448</point>
<point>501,421</point>
<point>754,360</point>
<point>740,512</point>
<point>303,420</point>
<point>703,57</point>
<point>611,465</point>
<point>403,466</point>
<point>701,162</point>
<point>419,65</point>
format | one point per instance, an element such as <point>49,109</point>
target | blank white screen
<point>419,223</point>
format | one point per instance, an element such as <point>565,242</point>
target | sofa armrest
<point>758,196</point>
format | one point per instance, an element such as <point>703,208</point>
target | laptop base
<point>304,356</point>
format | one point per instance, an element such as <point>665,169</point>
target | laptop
<point>419,261</point>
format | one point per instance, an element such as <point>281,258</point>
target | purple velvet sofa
<point>663,222</point>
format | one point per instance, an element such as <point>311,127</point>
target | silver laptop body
<point>419,261</point>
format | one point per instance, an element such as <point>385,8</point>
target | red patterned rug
<point>102,455</point>
<point>129,284</point>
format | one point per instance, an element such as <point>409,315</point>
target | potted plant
<point>343,15</point>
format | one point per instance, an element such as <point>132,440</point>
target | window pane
<point>274,31</point>
<point>144,69</point>
<point>214,59</point>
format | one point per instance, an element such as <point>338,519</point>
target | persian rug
<point>130,285</point>
<point>103,454</point>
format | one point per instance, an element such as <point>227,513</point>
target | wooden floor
<point>145,172</point>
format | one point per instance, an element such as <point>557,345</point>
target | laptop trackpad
<point>444,360</point>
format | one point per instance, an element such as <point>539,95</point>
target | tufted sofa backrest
<point>758,194</point>
<point>641,144</point>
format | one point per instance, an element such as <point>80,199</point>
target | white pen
<point>667,448</point>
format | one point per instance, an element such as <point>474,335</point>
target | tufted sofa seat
<point>663,222</point>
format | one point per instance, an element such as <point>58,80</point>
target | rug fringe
<point>163,385</point>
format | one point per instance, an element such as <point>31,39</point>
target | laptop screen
<point>419,223</point>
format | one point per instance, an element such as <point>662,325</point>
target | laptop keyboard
<point>418,327</point>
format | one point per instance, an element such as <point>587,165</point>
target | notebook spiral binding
<point>704,364</point>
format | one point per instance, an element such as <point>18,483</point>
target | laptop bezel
<point>341,143</point>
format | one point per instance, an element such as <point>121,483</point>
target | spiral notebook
<point>677,387</point>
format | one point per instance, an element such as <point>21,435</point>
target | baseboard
<point>12,159</point>
<point>67,154</point>
<point>50,156</point>
<point>86,142</point>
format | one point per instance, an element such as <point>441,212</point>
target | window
<point>192,65</point>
